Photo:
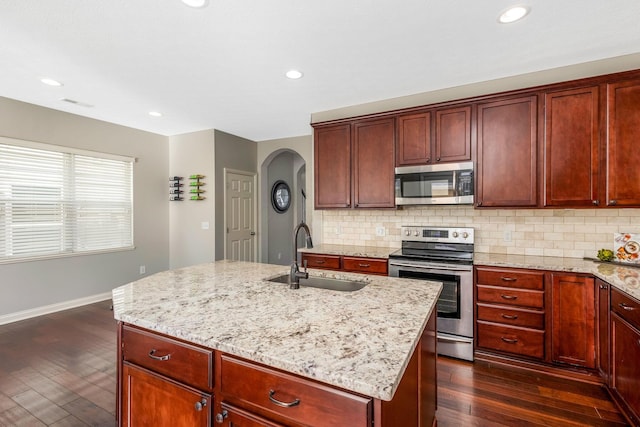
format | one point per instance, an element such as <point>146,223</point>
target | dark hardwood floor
<point>59,370</point>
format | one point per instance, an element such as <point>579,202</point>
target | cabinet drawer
<point>526,342</point>
<point>510,278</point>
<point>627,307</point>
<point>183,362</point>
<point>283,396</point>
<point>331,262</point>
<point>365,265</point>
<point>510,296</point>
<point>511,316</point>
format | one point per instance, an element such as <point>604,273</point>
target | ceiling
<point>222,66</point>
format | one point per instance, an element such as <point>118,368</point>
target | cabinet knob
<point>595,202</point>
<point>221,416</point>
<point>479,203</point>
<point>437,159</point>
<point>613,202</point>
<point>201,404</point>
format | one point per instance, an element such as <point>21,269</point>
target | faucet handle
<point>304,262</point>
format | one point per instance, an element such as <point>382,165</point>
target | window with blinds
<point>56,201</point>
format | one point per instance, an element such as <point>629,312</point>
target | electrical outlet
<point>143,269</point>
<point>507,235</point>
<point>204,225</point>
<point>380,231</point>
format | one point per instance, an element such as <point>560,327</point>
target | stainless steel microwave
<point>441,184</point>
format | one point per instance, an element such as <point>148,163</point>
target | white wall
<point>26,286</point>
<point>190,244</point>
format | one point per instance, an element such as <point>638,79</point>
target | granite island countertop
<point>360,341</point>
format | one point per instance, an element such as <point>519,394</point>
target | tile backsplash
<point>571,233</point>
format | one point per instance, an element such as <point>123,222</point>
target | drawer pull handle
<point>201,404</point>
<point>152,354</point>
<point>364,265</point>
<point>320,261</point>
<point>280,403</point>
<point>509,340</point>
<point>509,297</point>
<point>221,416</point>
<point>508,279</point>
<point>510,316</point>
<point>626,307</point>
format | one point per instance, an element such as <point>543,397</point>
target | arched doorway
<point>276,226</point>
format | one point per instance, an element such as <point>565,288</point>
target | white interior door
<point>240,201</point>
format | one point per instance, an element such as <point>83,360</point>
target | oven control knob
<point>407,232</point>
<point>416,233</point>
<point>455,234</point>
<point>465,235</point>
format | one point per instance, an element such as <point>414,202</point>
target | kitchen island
<point>253,347</point>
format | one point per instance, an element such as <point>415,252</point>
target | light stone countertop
<point>360,341</point>
<point>349,250</point>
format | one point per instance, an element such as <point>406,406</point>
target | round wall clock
<point>280,196</point>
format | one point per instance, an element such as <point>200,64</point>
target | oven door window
<point>449,302</point>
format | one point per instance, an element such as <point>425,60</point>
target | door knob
<point>253,233</point>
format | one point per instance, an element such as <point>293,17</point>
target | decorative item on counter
<point>605,255</point>
<point>175,189</point>
<point>195,184</point>
<point>626,248</point>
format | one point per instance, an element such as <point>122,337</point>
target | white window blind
<point>55,202</point>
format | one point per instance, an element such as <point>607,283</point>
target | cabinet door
<point>414,139</point>
<point>453,135</point>
<point>332,161</point>
<point>603,329</point>
<point>231,416</point>
<point>572,136</point>
<point>373,164</point>
<point>507,153</point>
<point>151,400</point>
<point>573,314</point>
<point>625,364</point>
<point>623,156</point>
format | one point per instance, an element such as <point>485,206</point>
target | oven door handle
<point>430,267</point>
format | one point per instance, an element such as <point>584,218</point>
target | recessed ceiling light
<point>513,14</point>
<point>294,74</point>
<point>155,114</point>
<point>50,82</point>
<point>196,3</point>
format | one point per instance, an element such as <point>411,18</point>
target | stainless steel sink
<point>324,283</point>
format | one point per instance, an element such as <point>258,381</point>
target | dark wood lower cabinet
<point>149,399</point>
<point>604,307</point>
<point>625,361</point>
<point>573,325</point>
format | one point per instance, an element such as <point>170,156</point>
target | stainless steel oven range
<point>443,255</point>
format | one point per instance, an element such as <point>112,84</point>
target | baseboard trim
<point>47,309</point>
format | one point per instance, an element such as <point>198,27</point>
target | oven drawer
<point>510,296</point>
<point>365,265</point>
<point>510,278</point>
<point>511,316</point>
<point>510,339</point>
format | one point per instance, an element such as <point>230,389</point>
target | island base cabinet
<point>231,416</point>
<point>149,399</point>
<point>625,361</point>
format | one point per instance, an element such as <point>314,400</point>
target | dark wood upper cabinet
<point>572,142</point>
<point>332,162</point>
<point>623,135</point>
<point>354,164</point>
<point>373,163</point>
<point>573,326</point>
<point>507,153</point>
<point>453,135</point>
<point>414,139</point>
<point>432,137</point>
